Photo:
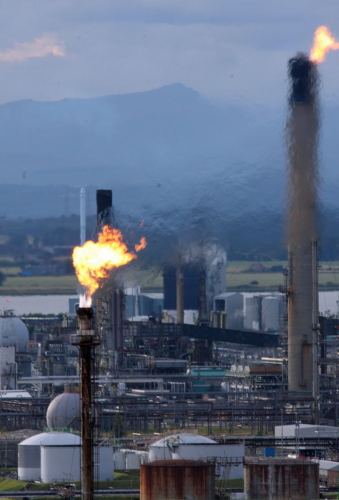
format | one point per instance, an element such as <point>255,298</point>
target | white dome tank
<point>64,411</point>
<point>163,449</point>
<point>13,331</point>
<point>29,462</point>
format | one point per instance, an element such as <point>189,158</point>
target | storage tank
<point>13,331</point>
<point>64,411</point>
<point>29,463</point>
<point>253,313</point>
<point>161,449</point>
<point>177,479</point>
<point>62,463</point>
<point>270,479</point>
<point>186,446</point>
<point>132,461</point>
<point>119,461</point>
<point>270,313</point>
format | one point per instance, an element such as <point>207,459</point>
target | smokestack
<point>104,206</point>
<point>303,181</point>
<point>82,216</point>
<point>180,295</point>
<point>86,341</point>
<point>203,318</point>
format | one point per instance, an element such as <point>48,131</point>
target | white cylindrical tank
<point>253,306</point>
<point>29,458</point>
<point>119,462</point>
<point>60,463</point>
<point>270,313</point>
<point>29,468</point>
<point>106,463</point>
<point>132,461</point>
<point>64,411</point>
<point>13,331</point>
<point>159,451</point>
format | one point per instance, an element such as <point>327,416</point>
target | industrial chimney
<point>303,180</point>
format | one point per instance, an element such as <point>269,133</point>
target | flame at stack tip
<point>323,42</point>
<point>93,262</point>
<point>84,300</point>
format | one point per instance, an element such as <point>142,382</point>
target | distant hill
<point>184,164</point>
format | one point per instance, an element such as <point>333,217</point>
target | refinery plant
<point>206,393</point>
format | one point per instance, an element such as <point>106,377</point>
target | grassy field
<point>98,497</point>
<point>122,481</point>
<point>39,285</point>
<point>238,278</point>
<point>7,484</point>
<point>231,483</point>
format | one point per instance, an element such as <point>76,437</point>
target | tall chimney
<point>303,179</point>
<point>82,216</point>
<point>104,204</point>
<point>180,295</point>
<point>86,340</point>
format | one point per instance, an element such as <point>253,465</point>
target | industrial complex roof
<point>327,465</point>
<point>184,439</point>
<point>52,439</point>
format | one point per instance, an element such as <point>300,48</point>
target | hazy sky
<point>51,49</point>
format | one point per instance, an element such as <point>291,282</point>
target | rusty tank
<point>271,478</point>
<point>177,479</point>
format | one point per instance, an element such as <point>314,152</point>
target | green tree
<point>118,428</point>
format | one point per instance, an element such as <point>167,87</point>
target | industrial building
<point>233,304</point>
<point>328,473</point>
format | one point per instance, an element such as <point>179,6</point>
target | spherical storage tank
<point>29,456</point>
<point>177,479</point>
<point>64,411</point>
<point>13,331</point>
<point>271,478</point>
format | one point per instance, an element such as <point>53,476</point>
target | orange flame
<point>141,245</point>
<point>323,42</point>
<point>93,261</point>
